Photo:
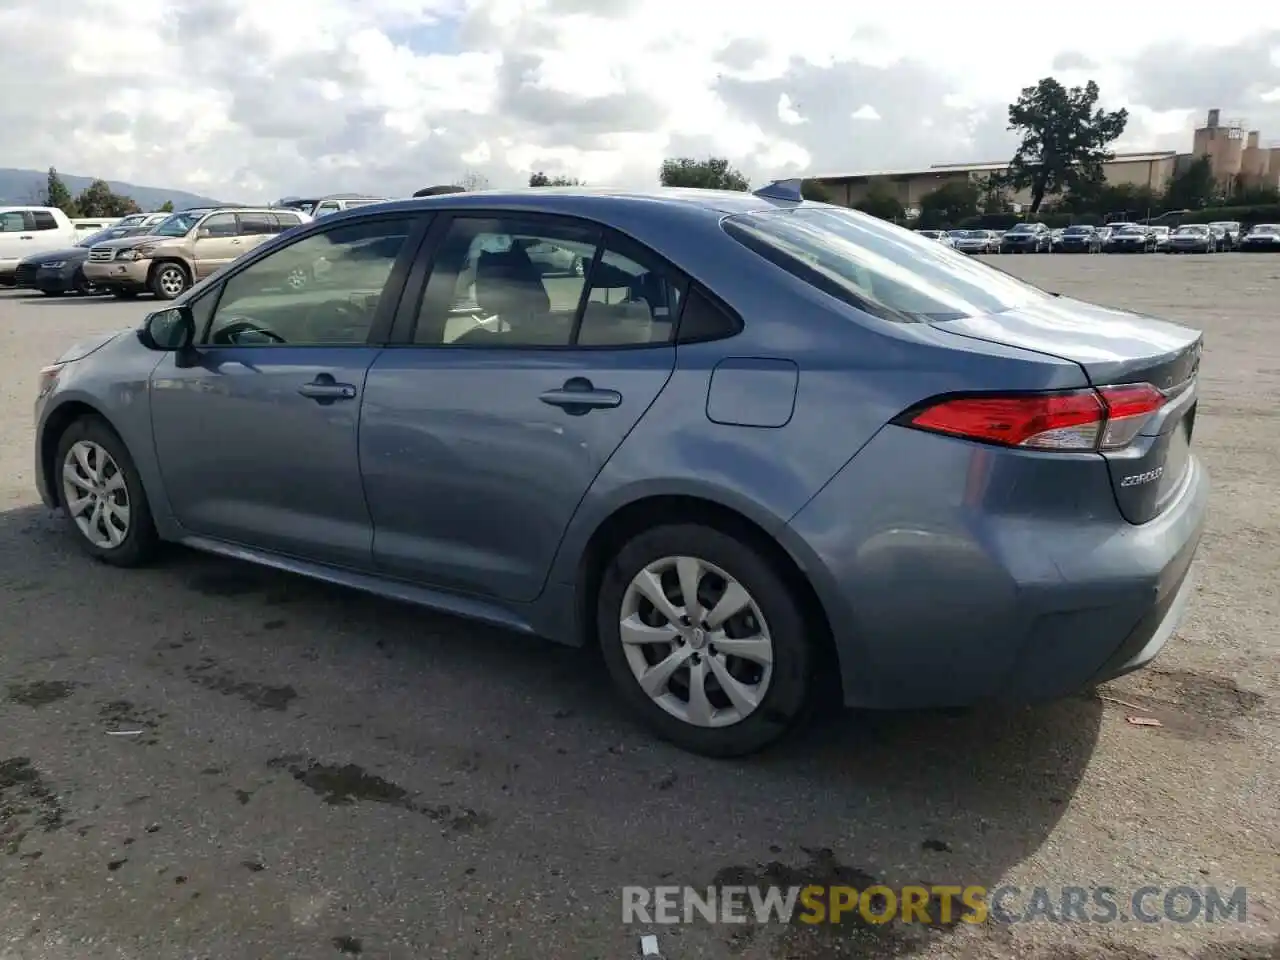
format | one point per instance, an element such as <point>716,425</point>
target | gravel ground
<point>320,774</point>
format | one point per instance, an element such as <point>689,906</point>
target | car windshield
<point>1078,231</point>
<point>1023,228</point>
<point>1129,228</point>
<point>1266,228</point>
<point>1190,230</point>
<point>111,233</point>
<point>878,267</point>
<point>178,225</point>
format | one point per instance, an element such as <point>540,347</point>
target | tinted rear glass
<point>877,267</point>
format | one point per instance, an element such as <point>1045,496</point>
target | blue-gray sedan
<point>752,445</point>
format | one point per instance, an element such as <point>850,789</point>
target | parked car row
<point>1217,237</point>
<point>159,253</point>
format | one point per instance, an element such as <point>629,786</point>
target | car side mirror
<point>169,330</point>
<point>202,233</point>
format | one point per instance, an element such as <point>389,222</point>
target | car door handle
<point>327,390</point>
<point>26,238</point>
<point>578,395</point>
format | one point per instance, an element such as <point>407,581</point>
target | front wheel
<point>101,494</point>
<point>704,640</point>
<point>81,285</point>
<point>169,281</point>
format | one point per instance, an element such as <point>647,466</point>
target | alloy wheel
<point>696,641</point>
<point>96,494</point>
<point>172,281</point>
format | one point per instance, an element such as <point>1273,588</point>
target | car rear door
<point>217,243</point>
<point>256,428</point>
<point>512,388</point>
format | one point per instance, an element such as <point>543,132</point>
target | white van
<point>28,230</point>
<point>85,225</point>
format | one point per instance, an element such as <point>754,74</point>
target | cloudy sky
<point>255,99</point>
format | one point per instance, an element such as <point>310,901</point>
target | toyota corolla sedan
<point>758,445</point>
<point>1192,238</point>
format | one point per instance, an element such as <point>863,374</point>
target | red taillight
<point>1101,419</point>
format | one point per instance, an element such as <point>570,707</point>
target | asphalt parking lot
<point>311,773</point>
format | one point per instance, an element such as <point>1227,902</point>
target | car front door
<point>256,427</point>
<point>217,243</point>
<point>482,433</point>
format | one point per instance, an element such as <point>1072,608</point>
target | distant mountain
<point>25,186</point>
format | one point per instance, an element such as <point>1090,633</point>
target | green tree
<point>879,202</point>
<point>1064,139</point>
<point>714,173</point>
<point>949,204</point>
<point>57,195</point>
<point>1193,188</point>
<point>993,193</point>
<point>813,190</point>
<point>166,207</point>
<point>97,200</point>
<point>473,180</point>
<point>540,179</point>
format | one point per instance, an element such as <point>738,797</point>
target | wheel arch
<point>637,515</point>
<point>166,259</point>
<point>55,425</point>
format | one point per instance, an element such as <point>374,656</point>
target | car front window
<point>878,267</point>
<point>178,225</point>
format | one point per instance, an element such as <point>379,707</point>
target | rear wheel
<point>704,640</point>
<point>101,493</point>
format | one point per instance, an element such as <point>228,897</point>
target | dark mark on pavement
<point>261,695</point>
<point>115,865</point>
<point>274,624</point>
<point>253,866</point>
<point>41,693</point>
<point>229,584</point>
<point>937,846</point>
<point>243,796</point>
<point>347,784</point>
<point>348,945</point>
<point>26,804</point>
<point>1189,706</point>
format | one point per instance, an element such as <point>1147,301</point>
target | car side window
<point>44,220</point>
<point>12,221</point>
<point>219,226</point>
<point>631,300</point>
<point>287,221</point>
<point>321,290</point>
<point>506,282</point>
<point>329,206</point>
<point>256,224</point>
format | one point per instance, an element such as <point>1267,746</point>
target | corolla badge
<point>1138,479</point>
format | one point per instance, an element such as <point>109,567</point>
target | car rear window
<point>877,267</point>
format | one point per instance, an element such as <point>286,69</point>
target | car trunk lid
<point>1116,347</point>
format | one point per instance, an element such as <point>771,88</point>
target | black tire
<point>169,280</point>
<point>81,285</point>
<point>140,542</point>
<point>790,693</point>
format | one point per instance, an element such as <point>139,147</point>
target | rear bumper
<point>990,574</point>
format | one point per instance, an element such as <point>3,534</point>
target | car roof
<point>592,202</point>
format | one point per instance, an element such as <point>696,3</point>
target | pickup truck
<point>27,230</point>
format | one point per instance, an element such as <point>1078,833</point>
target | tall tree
<point>540,179</point>
<point>993,193</point>
<point>473,180</point>
<point>97,200</point>
<point>166,207</point>
<point>57,195</point>
<point>1193,188</point>
<point>713,173</point>
<point>1065,136</point>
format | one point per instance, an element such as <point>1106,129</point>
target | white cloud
<point>254,100</point>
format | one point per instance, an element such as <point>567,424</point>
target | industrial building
<point>1234,158</point>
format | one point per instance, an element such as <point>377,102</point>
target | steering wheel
<point>232,330</point>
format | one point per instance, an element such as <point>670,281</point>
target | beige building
<point>910,186</point>
<point>1233,156</point>
<point>1236,156</point>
